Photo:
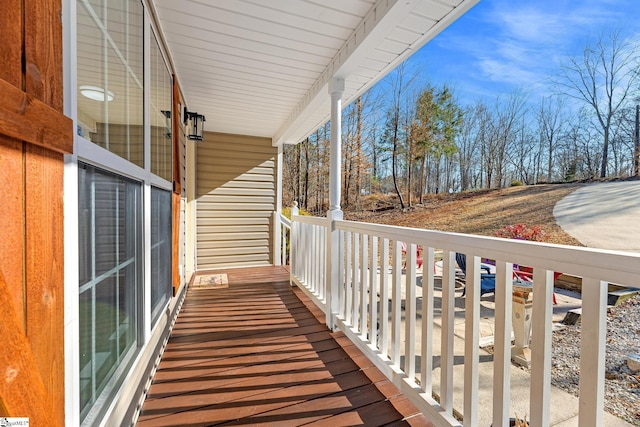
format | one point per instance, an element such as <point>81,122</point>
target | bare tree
<point>409,143</point>
<point>468,148</point>
<point>307,161</point>
<point>291,157</point>
<point>623,141</point>
<point>579,152</point>
<point>485,124</point>
<point>392,135</point>
<point>523,153</point>
<point>603,78</point>
<point>393,127</point>
<point>550,127</point>
<point>348,152</point>
<point>501,132</point>
<point>359,157</point>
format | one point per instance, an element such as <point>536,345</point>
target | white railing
<point>285,239</point>
<point>403,322</point>
<point>308,255</point>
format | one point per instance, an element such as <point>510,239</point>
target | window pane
<point>104,198</point>
<point>110,76</point>
<point>160,251</point>
<point>160,113</point>
<point>110,280</point>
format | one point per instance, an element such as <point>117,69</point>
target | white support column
<point>336,87</point>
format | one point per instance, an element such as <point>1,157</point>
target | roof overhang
<point>263,68</point>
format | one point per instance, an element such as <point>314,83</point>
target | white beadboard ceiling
<point>261,67</point>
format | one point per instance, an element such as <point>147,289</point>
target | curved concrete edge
<point>603,215</point>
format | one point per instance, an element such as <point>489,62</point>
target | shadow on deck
<point>259,353</point>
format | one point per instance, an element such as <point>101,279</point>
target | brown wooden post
<point>11,220</point>
<point>34,135</point>
<point>177,187</point>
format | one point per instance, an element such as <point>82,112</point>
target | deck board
<point>258,353</point>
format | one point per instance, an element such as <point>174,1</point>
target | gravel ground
<point>622,387</point>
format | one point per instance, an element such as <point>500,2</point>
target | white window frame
<point>85,151</point>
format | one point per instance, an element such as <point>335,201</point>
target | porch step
<point>616,297</point>
<point>573,283</point>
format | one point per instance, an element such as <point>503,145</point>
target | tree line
<point>416,139</point>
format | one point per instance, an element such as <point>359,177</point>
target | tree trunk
<point>605,153</point>
<point>358,150</point>
<point>306,174</point>
<point>394,157</point>
<point>409,166</point>
<point>423,177</point>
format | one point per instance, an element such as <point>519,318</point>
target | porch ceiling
<point>259,67</point>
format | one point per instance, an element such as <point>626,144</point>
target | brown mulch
<point>480,212</point>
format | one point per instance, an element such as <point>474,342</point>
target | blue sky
<point>504,45</point>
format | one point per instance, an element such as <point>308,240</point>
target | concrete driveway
<point>603,215</point>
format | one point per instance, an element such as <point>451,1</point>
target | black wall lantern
<point>195,128</point>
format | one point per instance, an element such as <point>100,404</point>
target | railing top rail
<point>285,221</point>
<point>613,266</point>
<point>313,220</point>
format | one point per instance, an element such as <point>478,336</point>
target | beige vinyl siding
<point>236,197</point>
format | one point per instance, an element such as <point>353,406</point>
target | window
<point>110,76</point>
<point>160,99</point>
<point>125,267</point>
<point>110,237</point>
<point>161,290</point>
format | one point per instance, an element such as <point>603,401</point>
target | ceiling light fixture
<point>96,93</point>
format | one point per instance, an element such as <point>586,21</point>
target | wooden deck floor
<point>258,353</point>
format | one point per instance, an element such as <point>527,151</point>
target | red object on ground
<point>418,255</point>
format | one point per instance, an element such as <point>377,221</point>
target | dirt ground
<point>480,212</point>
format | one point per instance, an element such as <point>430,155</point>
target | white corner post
<point>336,88</point>
<point>277,239</point>
<point>277,226</point>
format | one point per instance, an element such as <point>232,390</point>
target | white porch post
<point>336,87</point>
